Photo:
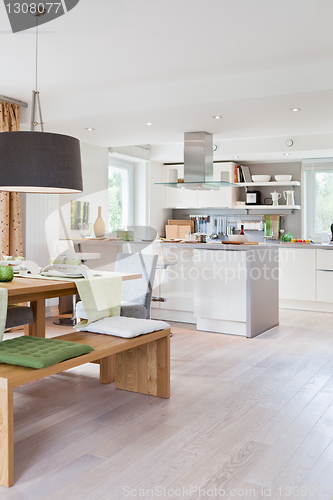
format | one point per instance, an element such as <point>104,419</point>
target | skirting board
<point>306,305</point>
<point>51,311</point>
<point>221,326</point>
<point>169,315</point>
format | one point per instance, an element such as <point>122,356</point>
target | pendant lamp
<point>37,161</point>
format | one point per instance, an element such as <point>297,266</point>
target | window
<point>318,191</point>
<point>120,194</point>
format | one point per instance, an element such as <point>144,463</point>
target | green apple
<point>6,273</point>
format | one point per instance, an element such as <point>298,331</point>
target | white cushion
<point>121,326</point>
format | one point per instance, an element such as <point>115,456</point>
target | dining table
<point>37,290</point>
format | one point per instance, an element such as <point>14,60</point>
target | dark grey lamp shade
<point>40,162</point>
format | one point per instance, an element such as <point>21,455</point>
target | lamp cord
<point>36,52</point>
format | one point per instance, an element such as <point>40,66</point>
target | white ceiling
<point>116,64</point>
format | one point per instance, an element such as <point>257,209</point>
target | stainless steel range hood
<point>198,164</point>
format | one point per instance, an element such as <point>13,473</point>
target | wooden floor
<point>250,417</point>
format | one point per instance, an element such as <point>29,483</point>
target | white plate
<point>58,274</point>
<point>283,178</point>
<point>261,178</point>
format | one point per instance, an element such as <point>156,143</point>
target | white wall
<point>158,216</point>
<point>95,163</point>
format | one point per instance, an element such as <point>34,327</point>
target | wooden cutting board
<point>240,243</point>
<point>174,222</point>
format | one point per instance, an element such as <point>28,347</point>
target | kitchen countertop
<point>221,246</point>
<point>218,246</point>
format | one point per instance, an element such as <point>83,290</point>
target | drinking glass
<point>85,229</point>
<point>325,238</point>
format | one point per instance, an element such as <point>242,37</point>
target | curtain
<point>10,210</point>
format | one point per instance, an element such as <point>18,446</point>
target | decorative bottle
<point>99,226</point>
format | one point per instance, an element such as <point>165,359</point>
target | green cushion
<point>35,352</point>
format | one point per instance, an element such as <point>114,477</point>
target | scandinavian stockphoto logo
<point>22,14</point>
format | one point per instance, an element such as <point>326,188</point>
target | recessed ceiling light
<point>90,128</point>
<point>295,109</point>
<point>236,156</point>
<point>286,154</point>
<point>217,117</point>
<point>149,123</point>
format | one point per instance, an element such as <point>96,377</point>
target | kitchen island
<point>232,289</point>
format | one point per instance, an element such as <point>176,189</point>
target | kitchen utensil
<point>289,197</point>
<point>261,178</point>
<point>201,238</point>
<point>283,178</point>
<point>275,197</point>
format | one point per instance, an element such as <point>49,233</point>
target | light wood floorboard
<point>251,417</point>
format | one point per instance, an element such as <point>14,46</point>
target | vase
<point>99,226</point>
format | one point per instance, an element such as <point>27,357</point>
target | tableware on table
<point>85,229</point>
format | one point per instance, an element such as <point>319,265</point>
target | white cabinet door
<point>220,198</point>
<point>325,286</point>
<point>325,259</point>
<point>225,197</point>
<point>178,197</point>
<point>177,285</point>
<point>297,274</point>
<point>223,295</point>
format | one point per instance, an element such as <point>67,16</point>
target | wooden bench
<point>140,364</point>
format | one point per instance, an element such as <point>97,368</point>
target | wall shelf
<point>262,184</point>
<point>269,208</point>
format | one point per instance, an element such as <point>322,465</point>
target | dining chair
<point>65,248</point>
<point>136,294</point>
<point>19,316</point>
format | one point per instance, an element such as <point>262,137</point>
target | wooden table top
<point>29,289</point>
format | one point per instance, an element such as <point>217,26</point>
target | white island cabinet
<point>223,289</point>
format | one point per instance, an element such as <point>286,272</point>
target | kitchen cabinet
<point>325,275</point>
<point>297,274</point>
<point>225,197</point>
<point>178,197</point>
<point>324,286</point>
<point>177,284</point>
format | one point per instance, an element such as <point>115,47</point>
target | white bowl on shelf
<point>238,238</point>
<point>283,178</point>
<point>261,178</point>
